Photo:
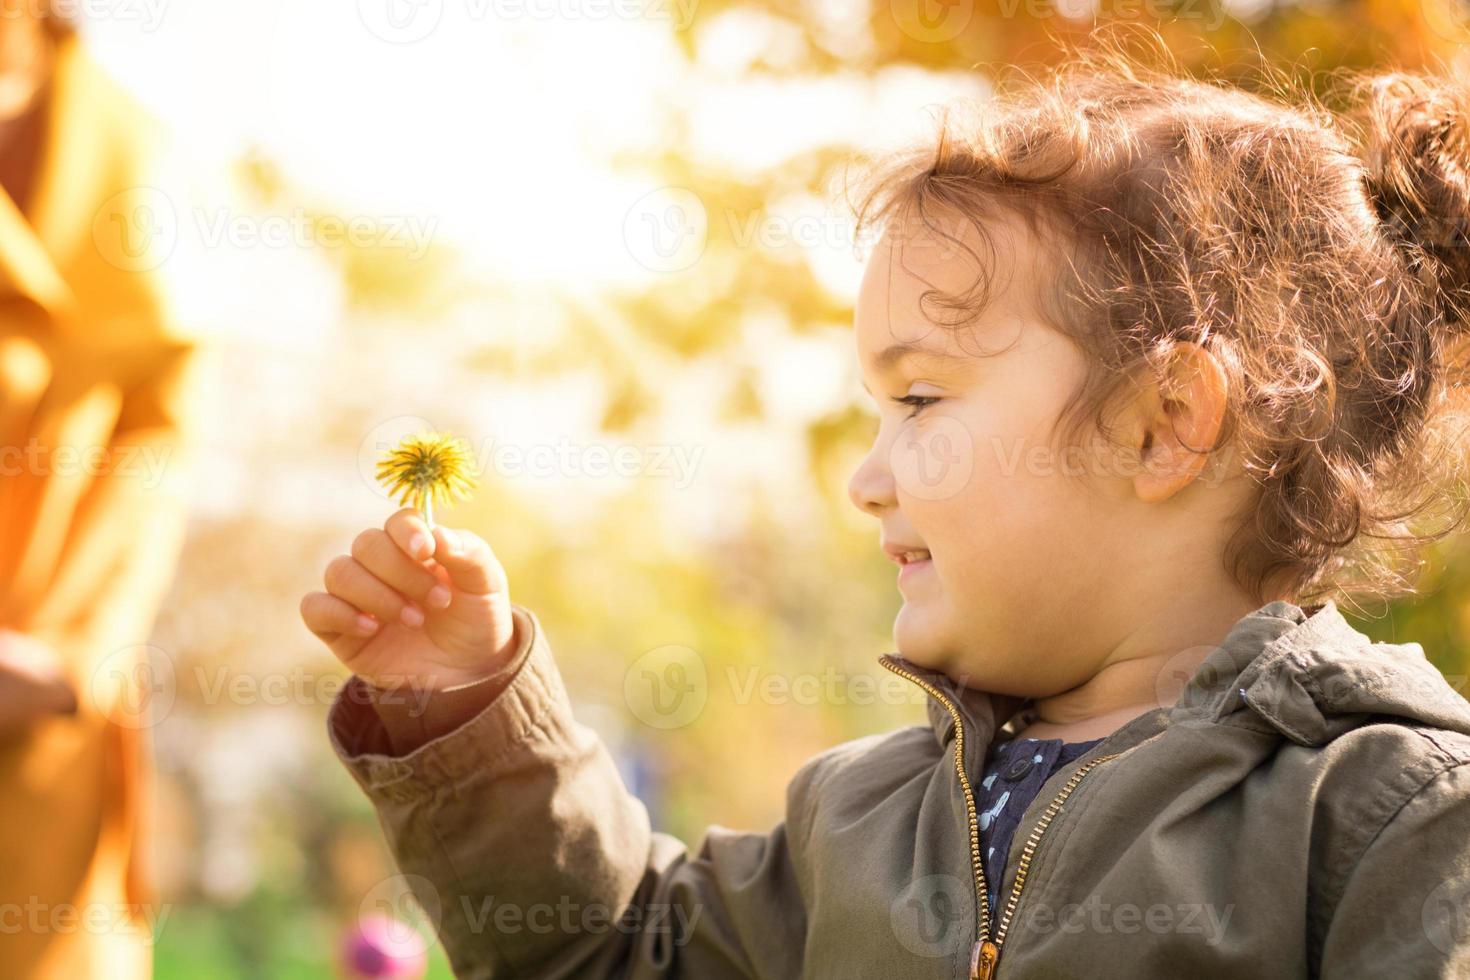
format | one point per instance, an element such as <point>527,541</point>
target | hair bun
<point>1416,151</point>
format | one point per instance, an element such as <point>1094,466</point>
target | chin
<point>918,638</point>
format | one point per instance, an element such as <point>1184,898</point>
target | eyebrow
<point>894,354</point>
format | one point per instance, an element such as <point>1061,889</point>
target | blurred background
<point>604,242</point>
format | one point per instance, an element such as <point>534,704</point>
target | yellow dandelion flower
<point>426,467</point>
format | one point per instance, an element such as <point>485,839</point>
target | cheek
<point>995,507</point>
<point>933,460</point>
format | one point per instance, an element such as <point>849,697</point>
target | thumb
<point>472,566</point>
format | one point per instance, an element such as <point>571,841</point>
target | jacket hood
<point>1306,672</point>
<point>1312,676</point>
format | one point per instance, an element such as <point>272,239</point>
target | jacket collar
<point>1314,677</point>
<point>982,712</point>
<point>1307,673</point>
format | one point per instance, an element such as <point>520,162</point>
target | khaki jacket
<point>1303,809</point>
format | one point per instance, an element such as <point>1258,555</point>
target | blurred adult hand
<point>32,683</point>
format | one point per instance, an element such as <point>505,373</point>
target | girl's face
<point>1024,540</point>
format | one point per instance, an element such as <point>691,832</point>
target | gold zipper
<point>986,953</point>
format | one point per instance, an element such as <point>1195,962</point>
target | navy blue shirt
<point>1011,781</point>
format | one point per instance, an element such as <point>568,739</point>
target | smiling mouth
<point>909,567</point>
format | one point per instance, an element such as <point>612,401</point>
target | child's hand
<point>406,608</point>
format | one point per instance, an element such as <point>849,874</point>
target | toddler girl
<point>1162,371</point>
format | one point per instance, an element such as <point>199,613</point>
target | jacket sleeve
<point>128,529</point>
<point>1405,910</point>
<point>530,857</point>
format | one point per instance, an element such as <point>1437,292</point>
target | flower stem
<point>429,512</point>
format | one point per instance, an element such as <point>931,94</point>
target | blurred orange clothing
<point>89,536</point>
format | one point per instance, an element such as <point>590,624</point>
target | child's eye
<point>919,403</point>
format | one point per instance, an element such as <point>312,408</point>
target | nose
<point>871,488</point>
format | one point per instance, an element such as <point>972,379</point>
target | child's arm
<point>1404,909</point>
<point>526,850</point>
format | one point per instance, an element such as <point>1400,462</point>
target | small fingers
<point>381,553</point>
<point>408,529</point>
<point>472,566</point>
<point>329,616</point>
<point>347,578</point>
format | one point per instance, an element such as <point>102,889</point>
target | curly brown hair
<point>1320,254</point>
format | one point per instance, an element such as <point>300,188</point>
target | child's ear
<point>1178,421</point>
